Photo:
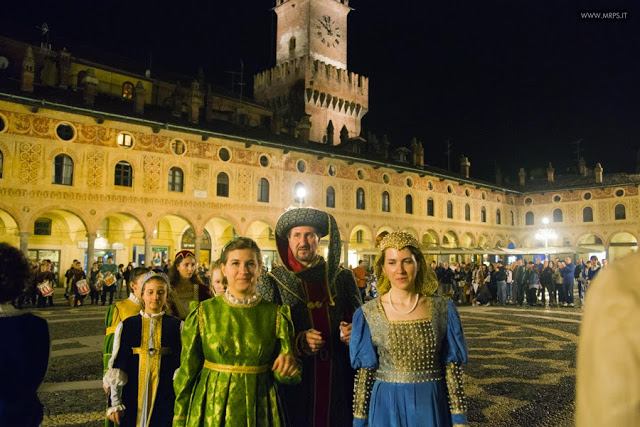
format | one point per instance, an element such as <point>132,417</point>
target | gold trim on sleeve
<point>363,385</point>
<point>457,397</point>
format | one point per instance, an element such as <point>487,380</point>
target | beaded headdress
<point>182,255</point>
<point>426,281</point>
<point>155,275</point>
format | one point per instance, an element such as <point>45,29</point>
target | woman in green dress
<point>233,348</point>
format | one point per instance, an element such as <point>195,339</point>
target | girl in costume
<point>146,354</point>
<point>407,345</point>
<point>234,349</point>
<point>186,285</point>
<point>218,283</point>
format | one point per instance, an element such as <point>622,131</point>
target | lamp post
<point>545,234</point>
<point>301,193</point>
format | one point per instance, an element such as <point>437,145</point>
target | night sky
<point>512,83</point>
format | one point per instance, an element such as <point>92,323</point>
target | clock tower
<point>310,80</point>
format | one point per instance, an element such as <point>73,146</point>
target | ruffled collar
<point>134,298</point>
<point>151,316</point>
<point>241,301</point>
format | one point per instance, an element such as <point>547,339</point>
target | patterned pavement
<point>521,369</point>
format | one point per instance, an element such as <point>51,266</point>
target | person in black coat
<point>25,346</point>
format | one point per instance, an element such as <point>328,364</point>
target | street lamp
<point>545,234</point>
<point>301,193</point>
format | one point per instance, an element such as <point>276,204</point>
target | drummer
<point>77,274</point>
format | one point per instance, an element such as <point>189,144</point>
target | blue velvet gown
<point>409,372</point>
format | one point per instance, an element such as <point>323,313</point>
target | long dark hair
<point>174,274</point>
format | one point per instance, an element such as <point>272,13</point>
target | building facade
<point>96,161</point>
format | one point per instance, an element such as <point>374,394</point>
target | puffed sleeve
<point>455,355</point>
<point>191,363</point>
<point>365,360</point>
<point>284,333</point>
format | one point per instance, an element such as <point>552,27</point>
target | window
<point>498,217</point>
<point>586,196</point>
<point>619,192</point>
<point>483,214</point>
<point>65,132</point>
<point>1,163</point>
<point>620,212</point>
<point>176,179</point>
<point>300,192</point>
<point>124,174</point>
<point>430,208</point>
<point>513,218</point>
<point>587,214</point>
<point>331,197</point>
<point>178,147</point>
<point>332,170</point>
<point>359,235</point>
<point>2,124</point>
<point>360,199</point>
<point>360,174</point>
<point>449,189</point>
<point>263,190</point>
<point>42,227</point>
<point>449,209</point>
<point>557,215</point>
<point>264,161</point>
<point>408,204</point>
<point>127,90</point>
<point>528,201</point>
<point>63,170</point>
<point>385,178</point>
<point>557,198</point>
<point>386,203</point>
<point>409,182</point>
<point>224,154</point>
<point>467,212</point>
<point>528,218</point>
<point>429,185</point>
<point>301,166</point>
<point>222,185</point>
<point>125,140</point>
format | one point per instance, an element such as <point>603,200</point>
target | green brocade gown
<point>225,376</point>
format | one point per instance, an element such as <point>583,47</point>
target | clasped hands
<point>285,365</point>
<point>313,342</point>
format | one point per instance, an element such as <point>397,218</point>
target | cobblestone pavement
<point>521,369</point>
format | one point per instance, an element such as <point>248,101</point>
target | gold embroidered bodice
<point>408,351</point>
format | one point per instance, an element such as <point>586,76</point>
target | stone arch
<point>411,231</point>
<point>430,238</point>
<point>18,219</point>
<point>9,227</point>
<point>484,241</point>
<point>467,240</point>
<point>66,208</point>
<point>450,239</point>
<point>60,150</point>
<point>622,243</point>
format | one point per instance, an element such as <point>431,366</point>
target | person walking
<point>323,297</point>
<point>568,278</point>
<point>408,345</point>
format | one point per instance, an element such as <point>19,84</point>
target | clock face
<point>327,31</point>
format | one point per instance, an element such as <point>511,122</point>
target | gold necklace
<point>405,312</point>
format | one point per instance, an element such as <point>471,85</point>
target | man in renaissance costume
<point>323,297</point>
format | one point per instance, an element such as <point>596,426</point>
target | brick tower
<point>311,77</point>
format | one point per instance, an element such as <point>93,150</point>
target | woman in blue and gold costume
<point>408,345</point>
<point>233,348</point>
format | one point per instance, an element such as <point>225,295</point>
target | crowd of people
<point>521,283</point>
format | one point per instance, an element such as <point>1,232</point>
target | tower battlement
<point>281,2</point>
<point>315,73</point>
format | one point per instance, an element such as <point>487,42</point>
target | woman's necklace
<point>404,312</point>
<point>241,301</point>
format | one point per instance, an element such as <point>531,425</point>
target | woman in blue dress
<point>407,345</point>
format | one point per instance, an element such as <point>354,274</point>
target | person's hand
<point>116,416</point>
<point>314,341</point>
<point>106,389</point>
<point>345,332</point>
<point>285,365</point>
